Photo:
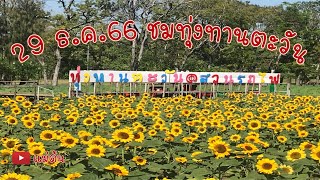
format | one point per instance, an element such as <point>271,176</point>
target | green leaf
<point>302,176</point>
<point>137,174</point>
<point>151,143</point>
<point>191,167</point>
<point>80,168</point>
<point>288,176</point>
<point>99,163</point>
<point>32,170</point>
<point>307,162</point>
<point>297,167</point>
<point>200,173</point>
<point>181,176</point>
<point>88,176</point>
<point>204,155</point>
<point>253,175</point>
<point>43,176</point>
<point>154,167</point>
<point>230,162</point>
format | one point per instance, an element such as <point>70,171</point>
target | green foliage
<point>19,19</point>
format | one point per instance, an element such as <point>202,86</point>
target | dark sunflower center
<point>137,136</point>
<point>140,160</point>
<point>267,166</point>
<point>308,146</point>
<point>114,124</point>
<point>286,170</point>
<point>116,171</point>
<point>11,144</point>
<point>254,125</point>
<point>296,155</point>
<point>123,135</point>
<point>11,178</point>
<point>89,121</point>
<point>95,151</point>
<point>48,136</point>
<point>220,148</point>
<point>249,148</point>
<point>318,154</point>
<point>85,138</point>
<point>69,141</point>
<point>37,151</point>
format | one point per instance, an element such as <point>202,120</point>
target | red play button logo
<point>19,158</point>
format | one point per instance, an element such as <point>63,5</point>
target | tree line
<point>21,18</point>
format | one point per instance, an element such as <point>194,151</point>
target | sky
<point>55,8</point>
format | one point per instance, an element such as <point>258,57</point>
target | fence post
<point>246,88</point>
<point>38,93</point>
<point>35,89</point>
<point>94,88</point>
<point>288,89</point>
<point>15,89</point>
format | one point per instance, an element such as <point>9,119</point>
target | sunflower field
<point>115,137</point>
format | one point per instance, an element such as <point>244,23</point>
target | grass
<point>108,87</point>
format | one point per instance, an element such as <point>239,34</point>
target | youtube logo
<point>19,158</point>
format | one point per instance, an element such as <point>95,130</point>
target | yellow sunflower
<point>47,135</point>
<point>181,159</point>
<point>152,132</point>
<point>235,137</point>
<point>114,123</point>
<point>295,154</point>
<point>286,169</point>
<point>119,116</point>
<point>11,143</point>
<point>248,148</point>
<point>315,154</point>
<point>29,124</point>
<point>37,150</point>
<point>12,121</point>
<point>266,166</point>
<point>254,124</point>
<point>95,150</point>
<point>45,123</point>
<point>68,141</point>
<point>306,145</point>
<point>220,149</point>
<point>139,160</point>
<point>152,151</point>
<point>73,176</point>
<point>14,176</point>
<point>118,170</point>
<point>282,139</point>
<point>88,121</point>
<point>139,137</point>
<point>123,135</point>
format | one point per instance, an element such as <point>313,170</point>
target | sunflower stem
<point>122,153</point>
<point>135,151</point>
